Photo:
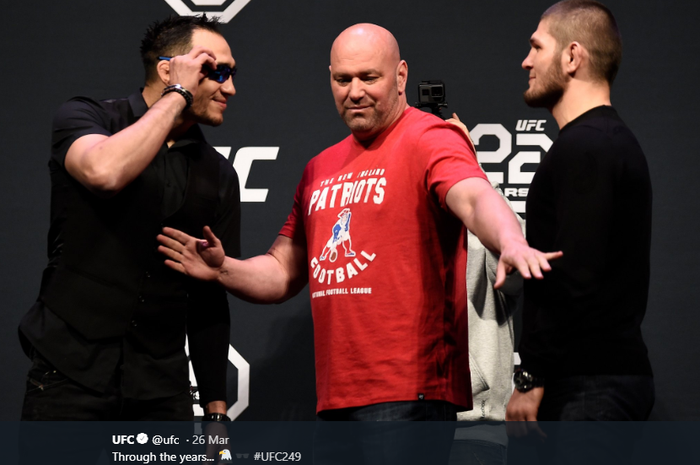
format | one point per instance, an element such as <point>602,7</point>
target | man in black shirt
<point>583,357</point>
<point>107,333</point>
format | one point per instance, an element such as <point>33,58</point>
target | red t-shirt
<point>387,265</point>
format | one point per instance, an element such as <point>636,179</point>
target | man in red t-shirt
<point>378,231</point>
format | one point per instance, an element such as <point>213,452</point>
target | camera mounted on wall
<point>431,94</point>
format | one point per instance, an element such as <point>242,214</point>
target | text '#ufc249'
<point>277,456</point>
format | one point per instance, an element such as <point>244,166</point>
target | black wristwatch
<point>216,417</point>
<point>525,381</point>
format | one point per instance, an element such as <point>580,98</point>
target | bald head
<point>368,79</point>
<point>365,37</point>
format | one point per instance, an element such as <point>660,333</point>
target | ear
<point>163,69</point>
<point>402,76</point>
<point>574,58</point>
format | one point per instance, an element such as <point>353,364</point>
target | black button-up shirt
<point>141,374</point>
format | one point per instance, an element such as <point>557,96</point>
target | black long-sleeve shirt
<point>590,198</point>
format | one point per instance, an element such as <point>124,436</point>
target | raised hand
<point>187,70</point>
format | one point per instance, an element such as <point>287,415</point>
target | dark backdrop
<point>55,50</point>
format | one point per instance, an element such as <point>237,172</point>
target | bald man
<point>390,312</point>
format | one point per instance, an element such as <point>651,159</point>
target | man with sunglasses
<point>107,333</point>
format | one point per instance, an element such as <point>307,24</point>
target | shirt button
<point>141,299</point>
<point>133,323</point>
<point>148,275</point>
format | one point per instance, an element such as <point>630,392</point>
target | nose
<point>527,62</point>
<point>357,90</point>
<point>227,88</point>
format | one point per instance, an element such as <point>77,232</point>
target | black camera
<point>432,94</point>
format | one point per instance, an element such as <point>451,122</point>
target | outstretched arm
<point>274,277</point>
<point>484,212</point>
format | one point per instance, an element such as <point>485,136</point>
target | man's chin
<point>541,99</point>
<point>213,121</point>
<point>357,123</point>
<point>364,134</point>
<point>530,99</point>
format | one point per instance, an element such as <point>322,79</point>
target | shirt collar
<point>138,104</point>
<point>602,110</point>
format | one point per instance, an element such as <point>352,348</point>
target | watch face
<point>522,380</point>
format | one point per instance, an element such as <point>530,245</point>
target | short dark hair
<point>593,25</point>
<point>170,37</point>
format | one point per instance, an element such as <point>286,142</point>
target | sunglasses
<point>220,74</point>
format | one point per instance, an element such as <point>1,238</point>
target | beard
<point>201,112</point>
<point>550,91</point>
<point>367,123</point>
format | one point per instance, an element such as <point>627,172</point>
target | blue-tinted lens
<point>221,73</point>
